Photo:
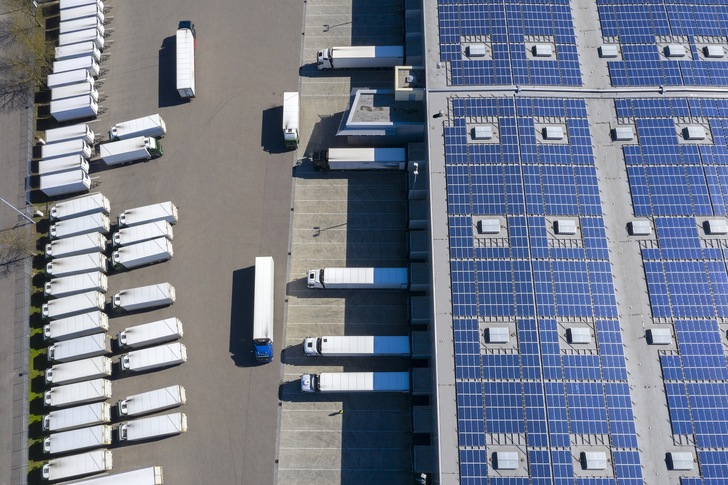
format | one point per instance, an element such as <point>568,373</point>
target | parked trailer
<point>80,283</point>
<point>75,245</point>
<point>290,119</point>
<point>82,49</point>
<point>77,417</point>
<point>87,35</point>
<point>356,382</point>
<point>80,348</point>
<point>145,297</point>
<point>65,183</point>
<point>74,108</point>
<point>83,11</point>
<point>62,164</point>
<point>355,278</point>
<point>152,475</point>
<point>360,56</point>
<point>88,63</point>
<point>80,131</point>
<point>357,346</point>
<point>154,357</point>
<point>263,309</point>
<point>78,439</point>
<point>88,224</point>
<point>152,125</point>
<point>96,461</point>
<point>151,333</point>
<point>76,326</point>
<point>74,90</point>
<point>65,148</point>
<point>143,253</point>
<point>153,427</point>
<point>84,23</point>
<point>143,232</point>
<point>186,42</point>
<point>361,159</point>
<point>71,265</point>
<point>73,305</point>
<point>130,150</point>
<point>66,4</point>
<point>152,401</point>
<point>68,78</point>
<point>79,370</point>
<point>80,206</point>
<point>78,393</point>
<point>164,211</point>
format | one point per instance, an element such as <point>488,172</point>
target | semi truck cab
<point>315,277</point>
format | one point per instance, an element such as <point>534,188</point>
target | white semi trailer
<point>65,183</point>
<point>356,382</point>
<point>79,370</point>
<point>88,63</point>
<point>143,297</point>
<point>76,108</point>
<point>77,417</point>
<point>163,211</point>
<point>81,24</point>
<point>76,326</point>
<point>83,11</point>
<point>143,232</point>
<point>151,475</point>
<point>151,333</point>
<point>360,57</point>
<point>73,305</point>
<point>154,357</point>
<point>358,278</point>
<point>78,439</point>
<point>64,148</point>
<point>73,90</point>
<point>69,77</point>
<point>82,49</point>
<point>73,246</point>
<point>91,223</point>
<point>63,164</point>
<point>263,309</point>
<point>357,346</point>
<point>185,53</point>
<point>152,125</point>
<point>362,159</point>
<point>143,253</point>
<point>153,427</point>
<point>83,263</point>
<point>81,206</point>
<point>80,348</point>
<point>96,461</point>
<point>80,283</point>
<point>78,393</point>
<point>80,131</point>
<point>152,401</point>
<point>86,35</point>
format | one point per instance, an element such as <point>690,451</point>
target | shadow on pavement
<point>241,317</point>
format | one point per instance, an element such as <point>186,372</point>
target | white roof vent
<point>505,460</point>
<point>497,335</point>
<point>565,226</point>
<point>680,461</point>
<point>608,51</point>
<point>489,226</point>
<point>713,51</point>
<point>640,228</point>
<point>659,336</point>
<point>409,79</point>
<point>675,50</point>
<point>578,335</point>
<point>594,460</point>
<point>542,50</point>
<point>482,132</point>
<point>716,226</point>
<point>694,132</point>
<point>476,50</point>
<point>553,133</point>
<point>623,133</point>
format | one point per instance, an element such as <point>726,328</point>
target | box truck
<point>186,42</point>
<point>153,427</point>
<point>83,11</point>
<point>86,35</point>
<point>154,357</point>
<point>143,253</point>
<point>77,417</point>
<point>62,164</point>
<point>152,475</point>
<point>88,63</point>
<point>143,232</point>
<point>143,297</point>
<point>80,131</point>
<point>82,49</point>
<point>68,78</point>
<point>263,309</point>
<point>79,370</point>
<point>152,125</point>
<point>88,224</point>
<point>80,283</point>
<point>73,90</point>
<point>290,119</point>
<point>152,401</point>
<point>130,150</point>
<point>151,333</point>
<point>164,211</point>
<point>80,206</point>
<point>356,382</point>
<point>74,108</point>
<point>355,278</point>
<point>73,305</point>
<point>78,439</point>
<point>65,148</point>
<point>96,461</point>
<point>361,159</point>
<point>78,393</point>
<point>357,346</point>
<point>74,245</point>
<point>66,4</point>
<point>360,57</point>
<point>80,348</point>
<point>77,326</point>
<point>65,183</point>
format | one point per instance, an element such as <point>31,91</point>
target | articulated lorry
<point>154,357</point>
<point>80,131</point>
<point>65,183</point>
<point>361,159</point>
<point>263,309</point>
<point>164,211</point>
<point>80,348</point>
<point>153,427</point>
<point>143,297</point>
<point>84,23</point>
<point>75,245</point>
<point>152,401</point>
<point>151,333</point>
<point>78,393</point>
<point>83,11</point>
<point>130,150</point>
<point>88,63</point>
<point>74,108</point>
<point>143,232</point>
<point>83,263</point>
<point>73,305</point>
<point>77,417</point>
<point>356,382</point>
<point>79,370</point>
<point>185,53</point>
<point>78,439</point>
<point>65,148</point>
<point>80,283</point>
<point>97,461</point>
<point>152,125</point>
<point>63,164</point>
<point>86,35</point>
<point>76,326</point>
<point>73,90</point>
<point>360,57</point>
<point>290,119</point>
<point>81,206</point>
<point>143,253</point>
<point>68,78</point>
<point>358,278</point>
<point>88,224</point>
<point>357,346</point>
<point>82,49</point>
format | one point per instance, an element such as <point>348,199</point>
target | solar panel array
<point>546,396</point>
